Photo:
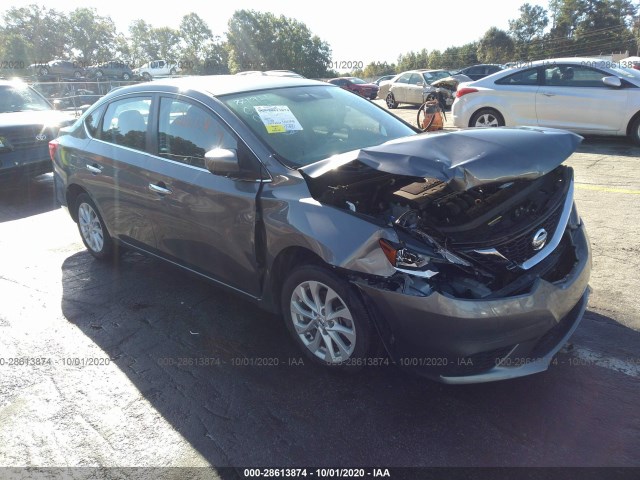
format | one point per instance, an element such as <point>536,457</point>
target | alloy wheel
<point>487,120</point>
<point>323,322</point>
<point>90,227</point>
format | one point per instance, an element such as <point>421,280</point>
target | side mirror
<point>222,161</point>
<point>614,82</point>
<point>420,84</point>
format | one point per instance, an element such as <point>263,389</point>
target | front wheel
<point>173,71</point>
<point>146,76</point>
<point>77,74</point>
<point>486,117</point>
<point>327,319</point>
<point>635,131</point>
<point>92,229</point>
<point>391,101</point>
<point>126,76</point>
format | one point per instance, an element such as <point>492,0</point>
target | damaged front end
<point>491,254</point>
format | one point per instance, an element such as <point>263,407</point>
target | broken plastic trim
<point>552,244</point>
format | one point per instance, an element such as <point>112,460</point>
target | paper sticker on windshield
<point>278,118</point>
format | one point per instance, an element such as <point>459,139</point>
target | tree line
<point>264,41</point>
<point>253,41</point>
<point>567,28</point>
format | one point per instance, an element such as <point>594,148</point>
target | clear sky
<point>357,30</point>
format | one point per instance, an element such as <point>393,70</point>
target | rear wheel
<point>391,101</point>
<point>126,76</point>
<point>327,319</point>
<point>635,131</point>
<point>77,74</point>
<point>173,71</point>
<point>44,71</point>
<point>146,76</point>
<point>92,229</point>
<point>486,117</point>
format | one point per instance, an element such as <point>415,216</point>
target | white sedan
<point>584,95</point>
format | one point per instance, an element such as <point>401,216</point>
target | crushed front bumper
<point>474,340</point>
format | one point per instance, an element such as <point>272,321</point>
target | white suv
<point>157,68</point>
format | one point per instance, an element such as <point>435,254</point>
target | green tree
<point>495,47</point>
<point>528,29</point>
<point>39,33</point>
<point>92,35</point>
<point>436,60</point>
<point>378,69</point>
<point>263,41</point>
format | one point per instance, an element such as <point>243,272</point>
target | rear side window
<point>125,122</point>
<point>92,122</point>
<point>522,77</point>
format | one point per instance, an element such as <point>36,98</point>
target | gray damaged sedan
<point>461,253</point>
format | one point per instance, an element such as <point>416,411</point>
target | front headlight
<point>408,261</point>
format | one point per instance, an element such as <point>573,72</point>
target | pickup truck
<point>156,68</point>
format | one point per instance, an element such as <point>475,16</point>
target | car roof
<point>220,84</point>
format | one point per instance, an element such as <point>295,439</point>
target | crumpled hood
<point>465,158</point>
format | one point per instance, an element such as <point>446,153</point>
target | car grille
<point>25,137</point>
<point>520,249</point>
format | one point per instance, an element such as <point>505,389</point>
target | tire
<point>44,71</point>
<point>77,74</point>
<point>126,76</point>
<point>486,117</point>
<point>339,341</point>
<point>391,101</point>
<point>99,74</point>
<point>172,72</point>
<point>92,229</point>
<point>634,133</point>
<point>146,76</point>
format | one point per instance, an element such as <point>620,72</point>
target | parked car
<point>476,72</point>
<point>110,69</point>
<point>584,95</point>
<point>384,78</point>
<point>461,252</point>
<point>27,123</point>
<point>413,87</point>
<point>59,68</point>
<point>156,68</point>
<point>357,86</point>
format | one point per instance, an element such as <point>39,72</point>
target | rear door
<point>112,167</point>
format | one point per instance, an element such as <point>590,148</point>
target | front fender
<point>338,237</point>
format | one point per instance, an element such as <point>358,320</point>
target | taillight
<point>53,148</point>
<point>463,91</point>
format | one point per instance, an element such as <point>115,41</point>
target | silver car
<point>583,95</point>
<point>461,253</point>
<point>413,87</point>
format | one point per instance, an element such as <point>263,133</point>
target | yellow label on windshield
<point>275,128</point>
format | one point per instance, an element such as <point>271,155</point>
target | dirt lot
<point>143,365</point>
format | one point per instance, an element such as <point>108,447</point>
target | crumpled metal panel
<point>465,158</point>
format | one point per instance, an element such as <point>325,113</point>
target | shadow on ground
<point>147,317</point>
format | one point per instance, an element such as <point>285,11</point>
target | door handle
<point>94,169</point>
<point>547,94</point>
<point>161,189</point>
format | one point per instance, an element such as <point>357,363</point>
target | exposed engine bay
<point>430,214</point>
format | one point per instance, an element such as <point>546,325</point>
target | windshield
<point>305,124</point>
<point>19,98</point>
<point>431,77</point>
